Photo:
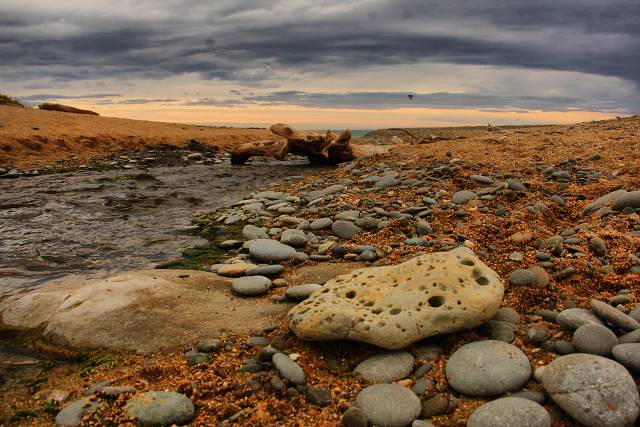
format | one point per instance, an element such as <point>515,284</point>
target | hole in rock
<point>436,301</point>
<point>468,262</point>
<point>350,294</point>
<point>395,311</point>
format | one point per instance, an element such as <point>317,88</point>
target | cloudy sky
<point>332,63</point>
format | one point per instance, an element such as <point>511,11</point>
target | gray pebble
<point>572,318</point>
<point>353,417</point>
<point>161,408</point>
<point>522,278</point>
<point>389,405</point>
<point>614,316</point>
<point>301,292</point>
<point>209,345</point>
<point>594,339</point>
<point>628,355</point>
<point>510,412</point>
<point>386,367</point>
<point>288,369</point>
<point>251,285</point>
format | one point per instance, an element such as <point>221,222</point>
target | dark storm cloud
<point>249,42</point>
<point>387,100</point>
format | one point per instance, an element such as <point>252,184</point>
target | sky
<point>327,64</point>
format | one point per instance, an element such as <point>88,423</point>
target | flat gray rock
<point>461,197</point>
<point>594,390</point>
<point>288,369</point>
<point>345,229</point>
<point>631,337</point>
<point>594,339</point>
<point>488,368</point>
<point>522,278</point>
<point>251,232</point>
<point>267,250</point>
<point>481,179</point>
<point>572,318</point>
<point>293,237</point>
<point>389,405</point>
<point>601,201</point>
<point>301,292</point>
<point>269,270</point>
<point>161,408</point>
<point>628,355</point>
<point>614,316</point>
<point>72,414</point>
<point>250,286</point>
<point>386,367</point>
<point>321,224</point>
<point>510,412</point>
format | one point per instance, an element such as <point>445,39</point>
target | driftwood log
<point>327,149</point>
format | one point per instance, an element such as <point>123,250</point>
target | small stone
<point>197,359</point>
<point>288,369</point>
<point>563,347</point>
<point>516,185</point>
<point>572,318</point>
<point>389,405</point>
<point>598,247</point>
<point>386,367</point>
<point>423,228</point>
<point>538,334</point>
<point>301,292</point>
<point>542,277</point>
<point>510,412</point>
<point>295,238</point>
<point>420,387</point>
<point>257,341</point>
<point>631,337</point>
<point>345,229</point>
<point>516,256</point>
<point>268,270</point>
<point>506,314</point>
<point>522,278</point>
<point>628,355</point>
<point>235,269</point>
<point>614,316</point>
<point>437,405</point>
<point>463,196</point>
<point>267,250</point>
<point>353,417</point>
<point>594,339</point>
<point>627,200</point>
<point>161,408</point>
<point>481,179</point>
<point>594,390</point>
<point>317,396</point>
<point>251,285</point>
<point>72,414</point>
<point>277,384</point>
<point>251,232</point>
<point>487,368</point>
<point>321,224</point>
<point>564,273</point>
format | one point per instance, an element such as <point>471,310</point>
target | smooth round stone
<point>209,345</point>
<point>522,278</point>
<point>631,337</point>
<point>386,367</point>
<point>389,405</point>
<point>506,314</point>
<point>488,368</point>
<point>353,417</point>
<point>461,197</point>
<point>288,369</point>
<point>345,229</point>
<point>542,277</point>
<point>416,241</point>
<point>321,224</point>
<point>267,250</point>
<point>627,200</point>
<point>197,359</point>
<point>251,232</point>
<point>251,285</point>
<point>161,408</point>
<point>296,238</point>
<point>628,355</point>
<point>301,292</point>
<point>635,313</point>
<point>510,412</point>
<point>534,396</point>
<point>614,316</point>
<point>481,179</point>
<point>437,405</point>
<point>572,318</point>
<point>563,347</point>
<point>594,339</point>
<point>594,390</point>
<point>269,270</point>
<point>235,269</point>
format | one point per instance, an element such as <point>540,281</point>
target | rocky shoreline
<point>476,283</point>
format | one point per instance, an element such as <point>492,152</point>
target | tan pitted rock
<point>395,306</point>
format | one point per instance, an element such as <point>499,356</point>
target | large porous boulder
<point>594,390</point>
<point>144,311</point>
<point>395,306</point>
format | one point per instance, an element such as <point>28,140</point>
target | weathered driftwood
<point>66,109</point>
<point>319,149</point>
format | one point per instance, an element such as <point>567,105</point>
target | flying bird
<point>410,97</point>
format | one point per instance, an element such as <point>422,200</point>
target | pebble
<point>345,229</point>
<point>389,405</point>
<point>572,318</point>
<point>386,367</point>
<point>437,405</point>
<point>598,247</point>
<point>317,396</point>
<point>251,232</point>
<point>627,200</point>
<point>522,278</point>
<point>161,408</point>
<point>251,285</point>
<point>267,250</point>
<point>628,355</point>
<point>301,292</point>
<point>72,414</point>
<point>463,196</point>
<point>209,345</point>
<point>594,390</point>
<point>487,368</point>
<point>594,339</point>
<point>293,237</point>
<point>614,316</point>
<point>538,334</point>
<point>506,314</point>
<point>631,337</point>
<point>542,277</point>
<point>353,417</point>
<point>257,341</point>
<point>321,224</point>
<point>563,347</point>
<point>481,179</point>
<point>288,369</point>
<point>516,185</point>
<point>510,412</point>
<point>564,273</point>
<point>269,270</point>
<point>197,359</point>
